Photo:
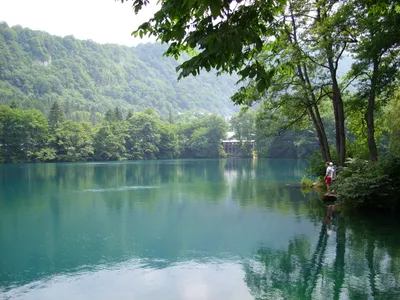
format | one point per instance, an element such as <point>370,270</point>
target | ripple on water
<point>122,188</point>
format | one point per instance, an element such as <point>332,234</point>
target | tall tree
<point>12,133</point>
<point>329,40</point>
<point>393,123</point>
<point>118,114</point>
<point>35,133</point>
<point>109,141</point>
<point>56,116</point>
<point>377,55</point>
<point>73,141</point>
<point>143,135</point>
<point>168,146</point>
<point>110,116</point>
<point>244,124</point>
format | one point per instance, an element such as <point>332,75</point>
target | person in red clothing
<point>329,175</point>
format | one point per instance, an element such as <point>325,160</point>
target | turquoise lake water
<point>185,229</point>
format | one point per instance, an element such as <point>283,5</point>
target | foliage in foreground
<point>306,182</point>
<point>366,184</point>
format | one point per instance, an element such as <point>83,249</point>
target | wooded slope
<point>87,78</point>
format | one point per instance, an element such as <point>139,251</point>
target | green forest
<point>69,100</point>
<point>87,79</point>
<point>28,136</point>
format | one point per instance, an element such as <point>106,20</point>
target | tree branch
<point>313,61</point>
<point>351,81</point>
<point>328,93</point>
<point>340,55</point>
<point>286,127</point>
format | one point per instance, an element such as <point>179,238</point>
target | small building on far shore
<point>238,148</point>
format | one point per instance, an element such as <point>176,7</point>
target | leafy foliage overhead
<point>227,34</point>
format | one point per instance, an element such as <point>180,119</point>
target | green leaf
<point>261,85</point>
<point>215,6</point>
<point>245,72</point>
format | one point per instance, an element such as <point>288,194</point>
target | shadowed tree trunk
<point>338,110</point>
<point>372,273</point>
<point>373,152</point>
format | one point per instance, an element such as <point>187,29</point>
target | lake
<point>185,229</point>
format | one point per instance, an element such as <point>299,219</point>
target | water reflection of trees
<point>207,179</point>
<point>270,185</point>
<point>355,262</point>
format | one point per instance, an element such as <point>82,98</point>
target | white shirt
<point>330,171</point>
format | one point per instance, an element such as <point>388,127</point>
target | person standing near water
<point>330,171</point>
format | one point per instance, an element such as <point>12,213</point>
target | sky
<point>103,21</point>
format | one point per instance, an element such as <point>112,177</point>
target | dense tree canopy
<point>27,136</point>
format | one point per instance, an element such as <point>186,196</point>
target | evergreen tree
<point>118,114</point>
<point>93,118</point>
<point>129,115</point>
<point>170,117</point>
<point>56,116</point>
<point>67,109</point>
<point>110,116</point>
<point>13,104</point>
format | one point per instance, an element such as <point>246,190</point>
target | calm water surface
<point>188,229</point>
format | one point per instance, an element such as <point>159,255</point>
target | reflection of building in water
<point>237,169</point>
<point>230,175</point>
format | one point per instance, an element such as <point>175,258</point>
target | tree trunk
<point>373,152</point>
<point>320,135</point>
<point>324,137</point>
<point>337,95</point>
<point>338,109</point>
<point>311,105</point>
<point>318,121</point>
<point>337,135</point>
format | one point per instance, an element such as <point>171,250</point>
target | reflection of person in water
<point>330,215</point>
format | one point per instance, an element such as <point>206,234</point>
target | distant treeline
<point>28,136</point>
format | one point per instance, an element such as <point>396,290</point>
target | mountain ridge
<point>37,69</point>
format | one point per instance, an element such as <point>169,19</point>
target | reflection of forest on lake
<point>65,218</point>
<point>352,260</point>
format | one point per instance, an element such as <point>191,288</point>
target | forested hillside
<point>87,79</point>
